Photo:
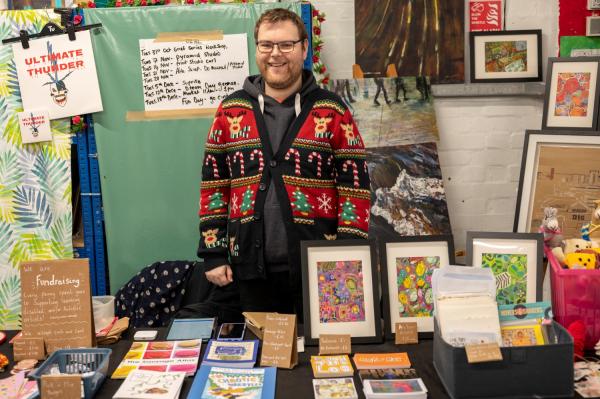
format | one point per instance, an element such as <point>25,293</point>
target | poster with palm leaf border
<point>35,179</point>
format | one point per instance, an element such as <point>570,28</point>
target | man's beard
<point>293,77</point>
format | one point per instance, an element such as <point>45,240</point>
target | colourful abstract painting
<point>35,179</point>
<point>510,271</point>
<point>341,291</point>
<point>572,94</point>
<point>415,295</point>
<point>506,56</point>
<point>407,192</point>
<point>421,38</point>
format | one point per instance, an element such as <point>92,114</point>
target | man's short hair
<point>279,15</point>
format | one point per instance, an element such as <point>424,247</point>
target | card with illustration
<point>394,386</point>
<point>341,291</point>
<point>522,335</point>
<point>415,295</point>
<point>334,388</point>
<point>160,356</point>
<point>510,271</point>
<point>232,383</point>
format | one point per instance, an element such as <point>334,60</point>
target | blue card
<point>182,329</point>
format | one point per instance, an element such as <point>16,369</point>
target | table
<point>291,384</point>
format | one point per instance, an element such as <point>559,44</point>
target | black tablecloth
<point>291,384</point>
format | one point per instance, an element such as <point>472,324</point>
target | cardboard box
<point>544,371</point>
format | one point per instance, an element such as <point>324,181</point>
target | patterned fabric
<point>153,296</point>
<point>35,179</point>
<point>319,171</point>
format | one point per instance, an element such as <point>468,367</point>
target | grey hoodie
<point>278,118</point>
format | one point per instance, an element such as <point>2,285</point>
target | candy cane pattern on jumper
<point>238,156</point>
<point>212,158</point>
<point>297,155</point>
<point>319,161</point>
<point>261,161</point>
<point>329,163</point>
<point>354,171</point>
<point>228,165</point>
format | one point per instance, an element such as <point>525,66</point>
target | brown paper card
<point>255,321</point>
<point>279,341</point>
<point>56,303</point>
<point>407,333</point>
<point>334,344</point>
<point>480,353</point>
<point>61,386</point>
<point>29,348</point>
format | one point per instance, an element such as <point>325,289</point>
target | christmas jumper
<point>319,173</point>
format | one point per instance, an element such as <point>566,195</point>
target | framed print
<point>559,170</point>
<point>407,265</point>
<point>506,56</point>
<point>571,100</point>
<point>341,290</point>
<point>516,261</point>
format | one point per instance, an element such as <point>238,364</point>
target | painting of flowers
<point>572,95</point>
<point>341,291</point>
<point>415,296</point>
<point>510,271</point>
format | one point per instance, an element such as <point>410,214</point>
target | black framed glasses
<point>286,46</point>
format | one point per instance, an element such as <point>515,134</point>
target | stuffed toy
<point>577,331</point>
<point>550,228</point>
<point>591,231</point>
<point>570,246</point>
<point>581,260</point>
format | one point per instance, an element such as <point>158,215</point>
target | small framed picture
<point>572,93</point>
<point>407,265</point>
<point>559,169</point>
<point>516,262</point>
<point>506,56</point>
<point>341,290</point>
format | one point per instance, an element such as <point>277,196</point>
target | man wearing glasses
<point>284,162</point>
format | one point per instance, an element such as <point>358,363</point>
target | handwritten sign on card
<point>480,353</point>
<point>29,348</point>
<point>192,74</point>
<point>61,386</point>
<point>56,302</point>
<point>334,344</point>
<point>407,333</point>
<point>279,341</point>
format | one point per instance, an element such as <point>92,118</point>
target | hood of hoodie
<point>255,86</point>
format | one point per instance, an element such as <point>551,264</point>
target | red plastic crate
<point>576,296</point>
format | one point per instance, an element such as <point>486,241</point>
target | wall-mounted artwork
<point>390,111</point>
<point>408,196</point>
<point>421,38</point>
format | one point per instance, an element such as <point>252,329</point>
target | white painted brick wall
<point>481,139</point>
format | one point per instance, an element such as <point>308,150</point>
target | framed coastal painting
<point>516,261</point>
<point>340,290</point>
<point>572,94</point>
<point>407,265</point>
<point>506,56</point>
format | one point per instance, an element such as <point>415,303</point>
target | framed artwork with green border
<point>514,258</point>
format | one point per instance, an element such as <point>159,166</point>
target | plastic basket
<point>91,363</point>
<point>576,296</point>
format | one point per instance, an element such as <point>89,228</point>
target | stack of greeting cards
<point>142,384</point>
<point>331,366</point>
<point>236,354</point>
<point>160,356</point>
<point>395,389</point>
<point>335,388</point>
<point>526,324</point>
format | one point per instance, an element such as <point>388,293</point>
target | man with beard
<point>284,162</point>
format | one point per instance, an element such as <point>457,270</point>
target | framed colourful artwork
<point>506,56</point>
<point>559,169</point>
<point>407,265</point>
<point>341,290</point>
<point>516,262</point>
<point>572,93</point>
